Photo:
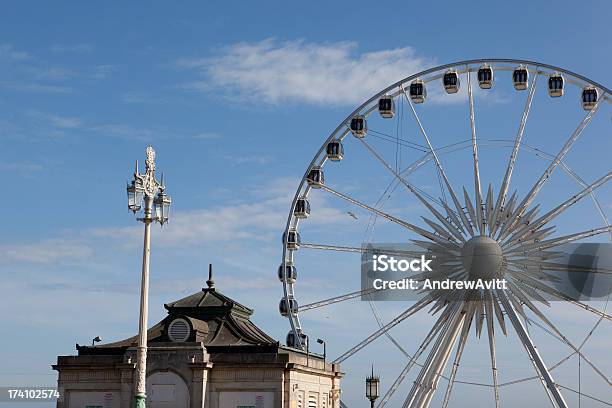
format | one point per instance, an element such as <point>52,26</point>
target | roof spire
<point>210,282</point>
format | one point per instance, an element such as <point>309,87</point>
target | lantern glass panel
<point>162,207</point>
<point>135,193</point>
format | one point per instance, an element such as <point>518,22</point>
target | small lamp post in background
<point>145,188</point>
<point>372,387</point>
<point>321,341</point>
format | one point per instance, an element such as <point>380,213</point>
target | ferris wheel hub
<point>482,258</point>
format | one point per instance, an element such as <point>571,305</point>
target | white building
<point>205,354</point>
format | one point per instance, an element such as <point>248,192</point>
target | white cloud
<point>260,218</point>
<point>297,71</point>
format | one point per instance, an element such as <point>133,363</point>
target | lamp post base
<point>139,401</point>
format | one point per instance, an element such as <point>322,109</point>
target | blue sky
<point>236,98</point>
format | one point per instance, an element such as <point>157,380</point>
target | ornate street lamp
<point>144,188</point>
<point>372,387</point>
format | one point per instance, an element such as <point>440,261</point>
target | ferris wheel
<point>524,217</point>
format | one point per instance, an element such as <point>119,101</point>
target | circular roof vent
<point>179,330</point>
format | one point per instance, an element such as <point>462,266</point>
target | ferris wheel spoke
<point>491,336</point>
<point>480,216</point>
<point>503,192</point>
<point>499,314</point>
<point>465,331</point>
<point>339,248</point>
<point>418,230</point>
<point>488,207</point>
<point>380,323</point>
<point>577,269</point>
<point>451,191</point>
<point>449,233</point>
<point>548,323</point>
<point>548,382</point>
<point>532,226</point>
<point>536,284</point>
<point>564,359</point>
<point>526,289</point>
<point>584,341</point>
<point>455,230</point>
<point>479,318</point>
<point>506,212</point>
<point>525,221</point>
<point>585,395</point>
<point>325,247</point>
<point>397,320</point>
<point>453,216</point>
<point>561,267</point>
<point>337,299</point>
<point>553,165</point>
<point>469,207</point>
<point>413,360</point>
<point>555,242</point>
<point>429,376</point>
<point>447,248</point>
<point>531,238</point>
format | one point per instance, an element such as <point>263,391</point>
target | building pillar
<point>199,381</point>
<point>126,393</point>
<point>334,396</point>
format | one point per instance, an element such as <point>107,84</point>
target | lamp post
<point>321,341</point>
<point>145,187</point>
<point>372,387</point>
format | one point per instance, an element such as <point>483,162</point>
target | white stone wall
<point>186,379</point>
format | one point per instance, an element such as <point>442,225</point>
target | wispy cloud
<point>103,71</point>
<point>297,71</point>
<point>260,218</point>
<point>71,48</point>
<point>57,121</point>
<point>253,159</point>
<point>141,98</point>
<point>8,52</point>
<point>46,252</point>
<point>24,167</point>
<point>52,73</point>
<point>35,125</point>
<point>207,135</point>
<point>29,73</point>
<point>32,87</point>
